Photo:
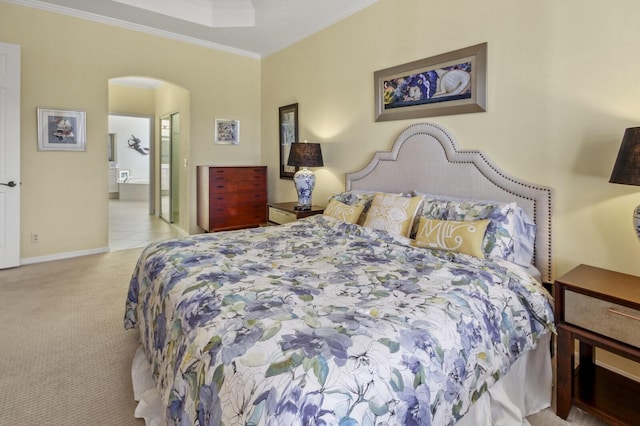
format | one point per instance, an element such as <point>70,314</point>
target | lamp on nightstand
<point>627,167</point>
<point>304,154</point>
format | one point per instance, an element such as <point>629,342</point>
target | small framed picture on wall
<point>61,130</point>
<point>227,132</point>
<point>123,175</point>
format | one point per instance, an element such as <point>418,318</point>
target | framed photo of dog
<point>450,83</point>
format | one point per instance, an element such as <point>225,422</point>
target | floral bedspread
<point>319,322</point>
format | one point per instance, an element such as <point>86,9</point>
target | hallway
<point>131,226</point>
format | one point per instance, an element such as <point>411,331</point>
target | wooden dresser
<point>231,197</point>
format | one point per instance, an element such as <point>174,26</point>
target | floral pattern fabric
<point>323,322</point>
<point>511,233</point>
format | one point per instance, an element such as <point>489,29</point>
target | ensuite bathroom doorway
<point>130,160</point>
<point>145,167</point>
<point>131,202</point>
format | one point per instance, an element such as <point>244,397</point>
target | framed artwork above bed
<point>450,83</point>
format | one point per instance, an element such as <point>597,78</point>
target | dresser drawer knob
<point>624,314</point>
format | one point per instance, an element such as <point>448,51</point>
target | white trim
<point>61,256</point>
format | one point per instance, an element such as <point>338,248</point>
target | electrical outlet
<point>35,238</point>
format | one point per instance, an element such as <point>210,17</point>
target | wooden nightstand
<point>280,213</point>
<point>599,308</point>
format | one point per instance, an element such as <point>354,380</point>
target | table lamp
<point>303,155</point>
<point>627,168</point>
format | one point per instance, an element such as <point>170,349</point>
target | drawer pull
<point>624,314</point>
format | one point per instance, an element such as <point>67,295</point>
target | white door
<point>9,155</point>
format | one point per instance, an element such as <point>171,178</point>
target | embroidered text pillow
<point>458,236</point>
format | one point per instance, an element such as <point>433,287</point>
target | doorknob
<point>10,184</point>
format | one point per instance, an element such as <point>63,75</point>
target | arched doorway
<point>148,97</point>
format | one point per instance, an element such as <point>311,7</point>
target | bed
<point>353,317</point>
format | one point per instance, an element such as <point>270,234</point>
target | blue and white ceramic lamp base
<point>305,181</point>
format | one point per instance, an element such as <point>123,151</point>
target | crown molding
<point>48,7</point>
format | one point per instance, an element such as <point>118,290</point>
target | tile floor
<point>131,225</point>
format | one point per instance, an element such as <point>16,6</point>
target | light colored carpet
<point>65,357</point>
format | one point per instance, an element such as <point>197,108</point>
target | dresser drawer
<point>236,216</point>
<point>237,199</point>
<point>280,217</point>
<point>609,319</point>
<point>237,187</point>
<point>231,174</point>
<point>233,180</point>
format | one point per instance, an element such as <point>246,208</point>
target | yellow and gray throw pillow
<point>458,236</point>
<point>343,212</point>
<point>392,213</point>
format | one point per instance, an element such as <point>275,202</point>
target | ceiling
<point>255,28</point>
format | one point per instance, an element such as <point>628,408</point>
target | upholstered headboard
<point>424,158</point>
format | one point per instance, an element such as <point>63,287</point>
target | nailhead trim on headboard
<point>540,197</point>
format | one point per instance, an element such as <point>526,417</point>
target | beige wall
<point>562,87</point>
<point>131,100</point>
<point>66,64</point>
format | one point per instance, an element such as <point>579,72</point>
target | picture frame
<point>450,83</point>
<point>123,175</point>
<point>288,124</point>
<point>227,132</point>
<point>61,130</point>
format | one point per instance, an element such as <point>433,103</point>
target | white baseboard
<point>60,256</point>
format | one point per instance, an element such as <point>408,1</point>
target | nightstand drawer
<point>280,217</point>
<point>609,319</point>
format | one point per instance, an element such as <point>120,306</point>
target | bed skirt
<point>523,391</point>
